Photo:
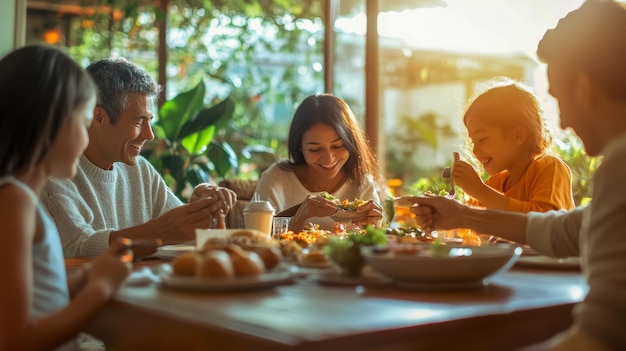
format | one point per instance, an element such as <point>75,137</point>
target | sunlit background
<point>433,59</point>
<point>433,56</point>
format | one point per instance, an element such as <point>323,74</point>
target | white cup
<point>259,215</point>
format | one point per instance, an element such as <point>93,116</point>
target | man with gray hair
<point>116,192</point>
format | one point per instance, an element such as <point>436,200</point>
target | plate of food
<point>265,280</point>
<point>347,210</point>
<point>545,262</point>
<point>227,264</point>
<point>441,266</point>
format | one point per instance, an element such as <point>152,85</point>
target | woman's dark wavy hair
<point>333,111</point>
<point>40,87</point>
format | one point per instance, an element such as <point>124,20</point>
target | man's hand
<point>180,224</point>
<point>225,196</point>
<point>437,212</point>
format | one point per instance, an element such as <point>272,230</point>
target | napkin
<point>142,277</point>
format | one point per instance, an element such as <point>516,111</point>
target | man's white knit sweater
<point>96,202</point>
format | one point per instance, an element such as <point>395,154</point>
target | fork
<point>447,173</point>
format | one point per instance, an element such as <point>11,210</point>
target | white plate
<point>306,271</point>
<point>346,216</point>
<point>570,263</point>
<point>266,280</point>
<point>170,252</point>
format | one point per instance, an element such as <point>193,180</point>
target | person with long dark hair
<point>328,152</point>
<point>46,106</point>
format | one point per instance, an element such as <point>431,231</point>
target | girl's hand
<point>110,269</point>
<point>467,178</point>
<point>374,214</point>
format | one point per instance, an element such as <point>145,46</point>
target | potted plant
<point>184,149</point>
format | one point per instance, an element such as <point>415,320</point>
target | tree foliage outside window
<point>265,54</point>
<point>269,52</point>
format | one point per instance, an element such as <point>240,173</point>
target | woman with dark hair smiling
<point>328,152</point>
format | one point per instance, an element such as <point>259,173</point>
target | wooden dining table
<point>516,308</point>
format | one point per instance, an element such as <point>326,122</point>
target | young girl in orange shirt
<point>509,138</point>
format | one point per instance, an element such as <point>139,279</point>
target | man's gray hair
<point>116,80</point>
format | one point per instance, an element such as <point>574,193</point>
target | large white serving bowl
<point>454,267</point>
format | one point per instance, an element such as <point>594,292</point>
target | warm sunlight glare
<point>477,26</point>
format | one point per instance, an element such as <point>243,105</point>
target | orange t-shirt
<point>545,185</point>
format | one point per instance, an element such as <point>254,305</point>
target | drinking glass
<point>280,225</point>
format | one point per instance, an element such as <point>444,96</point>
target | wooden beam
<point>330,14</point>
<point>372,77</point>
<point>162,51</point>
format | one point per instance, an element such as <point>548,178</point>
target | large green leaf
<point>175,113</point>
<point>223,157</point>
<point>207,117</point>
<point>197,143</point>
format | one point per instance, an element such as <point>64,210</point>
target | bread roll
<point>247,238</point>
<point>213,245</point>
<point>244,234</point>
<point>186,263</point>
<point>247,263</point>
<point>216,264</point>
<point>270,255</point>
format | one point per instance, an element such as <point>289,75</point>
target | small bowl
<point>347,260</point>
<point>444,266</point>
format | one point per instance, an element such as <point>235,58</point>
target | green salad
<point>345,250</point>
